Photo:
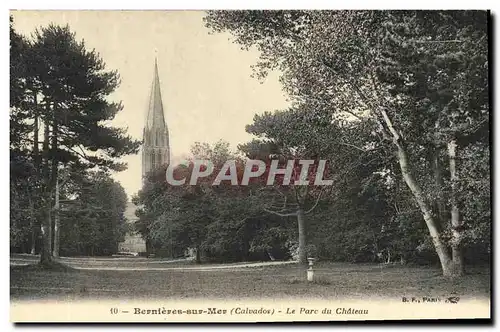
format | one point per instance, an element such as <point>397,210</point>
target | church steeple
<point>155,116</point>
<point>156,149</point>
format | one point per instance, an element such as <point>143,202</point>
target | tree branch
<point>352,146</point>
<point>316,203</point>
<point>437,41</point>
<point>363,97</point>
<point>292,214</point>
<point>297,196</point>
<point>388,121</point>
<point>84,156</point>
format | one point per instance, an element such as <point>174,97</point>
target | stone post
<point>310,270</point>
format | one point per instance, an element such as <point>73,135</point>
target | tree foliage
<point>417,78</point>
<point>60,113</point>
<point>93,221</point>
<point>397,102</point>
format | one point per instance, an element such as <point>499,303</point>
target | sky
<point>207,89</point>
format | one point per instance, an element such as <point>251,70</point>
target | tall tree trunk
<point>198,255</point>
<point>33,239</point>
<point>439,185</point>
<point>32,223</point>
<point>430,221</point>
<point>46,252</point>
<point>56,222</point>
<point>302,236</point>
<point>54,174</point>
<point>441,249</point>
<point>36,157</point>
<point>456,223</point>
<point>54,157</point>
<point>148,246</point>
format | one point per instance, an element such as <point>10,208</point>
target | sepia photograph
<point>250,166</point>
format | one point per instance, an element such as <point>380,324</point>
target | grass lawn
<point>333,280</point>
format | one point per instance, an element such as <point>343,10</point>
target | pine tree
<point>68,88</point>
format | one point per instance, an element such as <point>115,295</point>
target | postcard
<point>249,166</point>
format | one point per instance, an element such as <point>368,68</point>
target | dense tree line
<point>61,148</point>
<point>397,101</point>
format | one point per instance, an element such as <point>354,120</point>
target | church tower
<point>156,148</point>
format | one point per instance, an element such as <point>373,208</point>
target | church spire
<point>156,142</point>
<point>155,116</point>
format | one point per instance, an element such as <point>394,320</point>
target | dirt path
<point>189,268</point>
<point>138,264</point>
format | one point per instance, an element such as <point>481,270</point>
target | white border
<point>255,4</point>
